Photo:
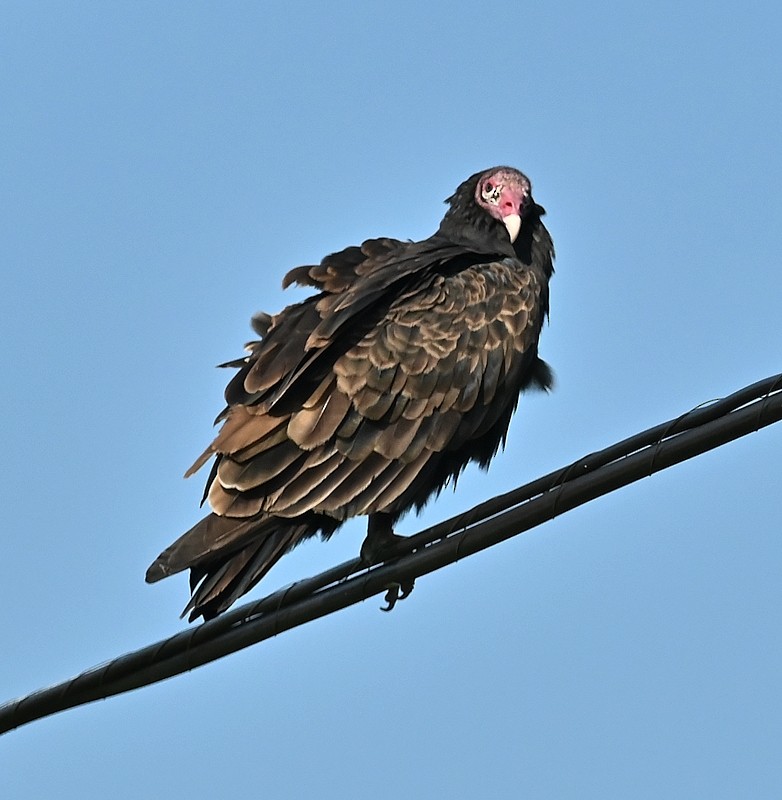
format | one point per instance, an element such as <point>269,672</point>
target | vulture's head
<point>489,209</point>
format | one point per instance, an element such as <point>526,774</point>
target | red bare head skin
<point>502,194</point>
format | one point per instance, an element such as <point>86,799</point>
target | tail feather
<point>224,583</point>
<point>227,556</point>
<point>211,536</point>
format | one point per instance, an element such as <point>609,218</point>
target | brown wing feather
<point>417,384</point>
<point>338,271</point>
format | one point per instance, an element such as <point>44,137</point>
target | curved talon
<point>397,591</point>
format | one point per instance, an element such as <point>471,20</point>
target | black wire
<point>638,456</point>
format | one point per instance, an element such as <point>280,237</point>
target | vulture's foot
<point>397,591</point>
<point>380,544</point>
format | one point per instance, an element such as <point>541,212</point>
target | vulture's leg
<point>380,540</point>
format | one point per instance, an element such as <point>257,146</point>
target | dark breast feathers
<point>368,397</point>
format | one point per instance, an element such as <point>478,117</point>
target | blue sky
<point>163,165</point>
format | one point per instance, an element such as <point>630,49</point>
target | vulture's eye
<point>491,192</point>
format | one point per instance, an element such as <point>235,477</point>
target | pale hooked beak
<point>513,223</point>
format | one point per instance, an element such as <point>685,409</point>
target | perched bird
<point>375,392</point>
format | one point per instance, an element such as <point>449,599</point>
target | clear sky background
<point>163,165</point>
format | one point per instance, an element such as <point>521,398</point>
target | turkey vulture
<point>375,392</point>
